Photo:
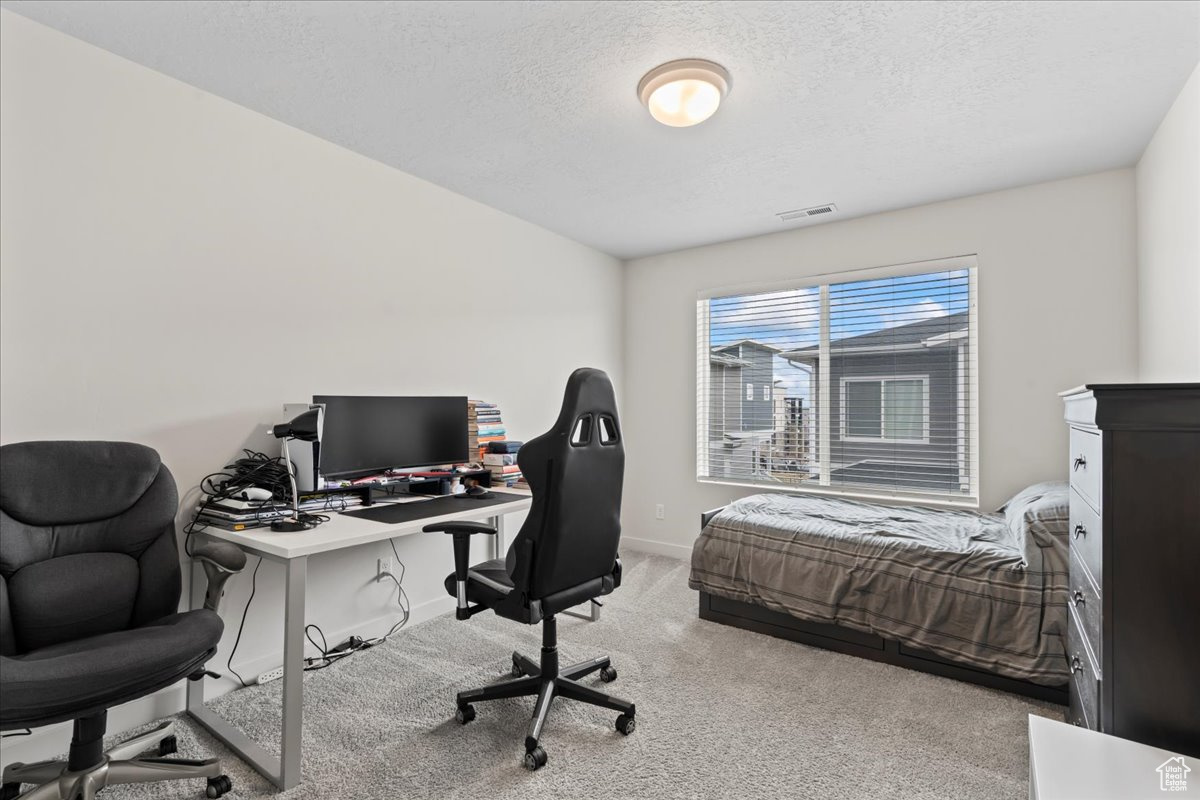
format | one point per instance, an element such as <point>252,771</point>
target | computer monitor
<point>364,435</point>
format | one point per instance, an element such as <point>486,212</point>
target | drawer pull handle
<point>1077,596</point>
<point>1080,530</point>
<point>1076,664</point>
<point>1079,463</point>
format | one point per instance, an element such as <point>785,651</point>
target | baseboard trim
<point>680,551</point>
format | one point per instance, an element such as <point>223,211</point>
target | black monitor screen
<point>370,434</point>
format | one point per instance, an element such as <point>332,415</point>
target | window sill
<point>971,503</point>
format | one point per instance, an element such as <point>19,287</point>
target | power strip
<point>269,675</point>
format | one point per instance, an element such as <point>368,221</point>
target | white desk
<point>1067,762</point>
<point>292,550</point>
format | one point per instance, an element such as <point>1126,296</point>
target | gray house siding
<point>757,413</point>
<point>724,413</point>
<point>731,412</point>
<point>939,366</point>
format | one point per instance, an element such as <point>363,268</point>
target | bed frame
<point>751,617</point>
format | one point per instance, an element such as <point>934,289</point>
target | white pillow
<point>1040,511</point>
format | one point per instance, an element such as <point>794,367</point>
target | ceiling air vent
<point>805,213</point>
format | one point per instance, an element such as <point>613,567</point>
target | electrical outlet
<point>270,675</point>
<point>385,568</point>
<point>660,512</point>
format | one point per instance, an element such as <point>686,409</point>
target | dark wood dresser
<point>1133,637</point>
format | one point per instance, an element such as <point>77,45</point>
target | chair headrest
<point>588,390</point>
<point>63,482</point>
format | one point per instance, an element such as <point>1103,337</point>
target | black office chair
<point>89,595</point>
<point>564,555</point>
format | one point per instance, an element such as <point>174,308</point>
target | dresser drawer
<point>1085,467</point>
<point>1084,708</point>
<point>1086,537</point>
<point>1084,599</point>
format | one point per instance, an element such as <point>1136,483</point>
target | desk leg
<point>593,614</point>
<point>293,672</point>
<point>283,772</point>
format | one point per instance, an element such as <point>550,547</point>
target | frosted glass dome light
<point>684,92</point>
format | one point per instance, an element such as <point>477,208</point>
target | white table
<point>1067,762</point>
<point>292,551</point>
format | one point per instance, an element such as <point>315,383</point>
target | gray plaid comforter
<point>955,583</point>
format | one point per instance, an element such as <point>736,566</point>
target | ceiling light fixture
<point>684,92</point>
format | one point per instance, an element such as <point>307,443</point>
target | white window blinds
<point>869,384</point>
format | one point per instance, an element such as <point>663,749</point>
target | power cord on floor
<point>329,655</point>
<point>242,624</point>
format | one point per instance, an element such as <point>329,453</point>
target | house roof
<point>912,335</point>
<point>726,360</point>
<point>749,342</point>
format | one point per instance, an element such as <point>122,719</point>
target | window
<point>869,384</point>
<point>885,409</point>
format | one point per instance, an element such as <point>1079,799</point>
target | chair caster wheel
<point>167,745</point>
<point>10,791</point>
<point>608,674</point>
<point>626,724</point>
<point>218,786</point>
<point>535,759</point>
<point>465,714</point>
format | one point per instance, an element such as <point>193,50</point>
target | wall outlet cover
<point>384,568</point>
<point>660,512</point>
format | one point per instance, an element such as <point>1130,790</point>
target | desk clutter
<point>344,452</point>
<point>488,437</point>
<point>255,491</point>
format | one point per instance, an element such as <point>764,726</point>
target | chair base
<point>546,681</point>
<point>64,780</point>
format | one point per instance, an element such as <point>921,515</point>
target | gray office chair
<point>89,592</point>
<point>564,555</point>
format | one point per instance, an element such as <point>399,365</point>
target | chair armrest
<point>224,554</point>
<point>220,561</point>
<point>459,527</point>
<point>462,532</point>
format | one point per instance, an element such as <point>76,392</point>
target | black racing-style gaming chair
<point>89,595</point>
<point>564,555</point>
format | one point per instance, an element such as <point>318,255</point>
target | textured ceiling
<point>531,107</point>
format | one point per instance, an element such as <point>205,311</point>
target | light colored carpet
<point>722,713</point>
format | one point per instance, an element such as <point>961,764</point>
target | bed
<point>980,597</point>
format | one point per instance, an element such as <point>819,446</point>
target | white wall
<point>1168,206</point>
<point>174,267</point>
<point>1058,307</point>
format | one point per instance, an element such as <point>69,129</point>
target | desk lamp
<point>305,428</point>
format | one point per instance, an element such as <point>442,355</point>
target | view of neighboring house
<point>741,418</point>
<point>898,404</point>
<point>754,427</point>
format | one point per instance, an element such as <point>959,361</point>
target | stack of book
<point>239,515</point>
<point>501,461</point>
<point>484,425</point>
